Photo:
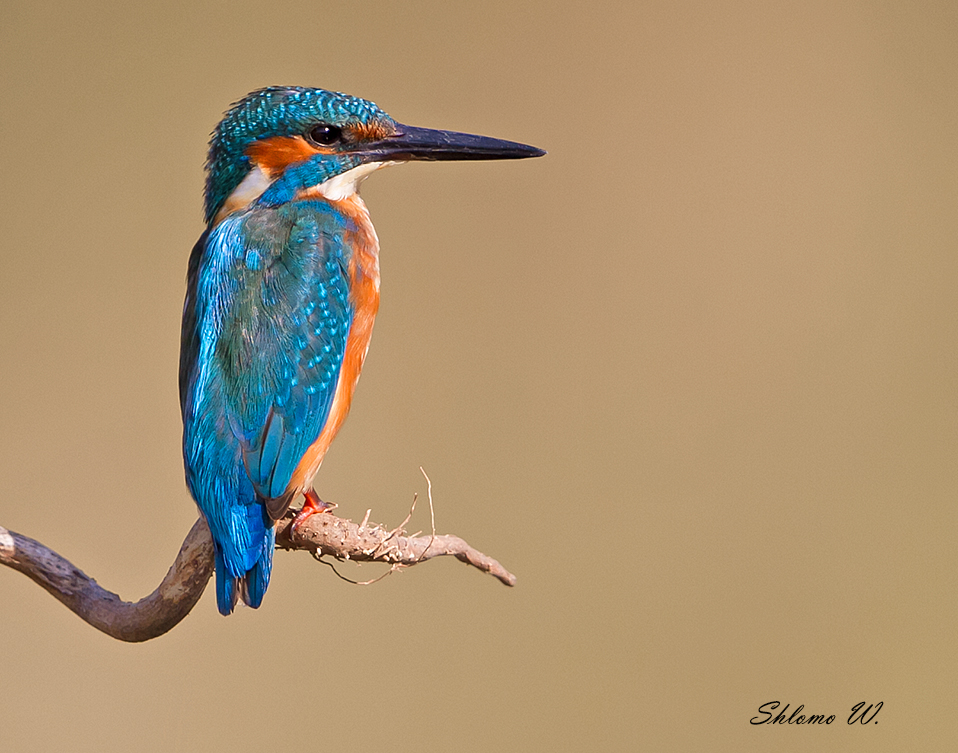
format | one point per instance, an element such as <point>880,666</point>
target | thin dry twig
<point>377,553</point>
<point>154,615</point>
<point>432,513</point>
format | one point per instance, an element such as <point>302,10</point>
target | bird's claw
<point>312,504</point>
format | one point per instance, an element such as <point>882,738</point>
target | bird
<point>282,293</point>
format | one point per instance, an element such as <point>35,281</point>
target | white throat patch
<point>257,181</point>
<point>249,190</point>
<point>346,184</point>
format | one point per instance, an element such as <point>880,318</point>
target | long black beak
<point>411,143</point>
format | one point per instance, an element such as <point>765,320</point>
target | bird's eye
<point>325,134</point>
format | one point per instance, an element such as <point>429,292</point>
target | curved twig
<point>126,621</point>
<point>154,615</point>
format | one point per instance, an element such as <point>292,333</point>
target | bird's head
<point>277,142</point>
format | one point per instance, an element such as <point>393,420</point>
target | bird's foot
<point>312,504</point>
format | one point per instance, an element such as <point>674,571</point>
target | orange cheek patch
<point>275,154</point>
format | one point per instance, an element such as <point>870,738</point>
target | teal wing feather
<point>283,344</point>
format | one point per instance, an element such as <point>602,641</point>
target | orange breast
<point>364,296</point>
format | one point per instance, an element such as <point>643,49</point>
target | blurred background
<point>692,377</point>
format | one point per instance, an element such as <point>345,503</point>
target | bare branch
<point>322,534</point>
<point>148,618</point>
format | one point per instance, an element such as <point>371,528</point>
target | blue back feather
<point>264,335</point>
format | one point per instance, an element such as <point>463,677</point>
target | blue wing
<point>264,335</point>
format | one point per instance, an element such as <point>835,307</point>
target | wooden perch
<point>322,534</point>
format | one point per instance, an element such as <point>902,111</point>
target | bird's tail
<point>251,585</point>
<point>244,538</point>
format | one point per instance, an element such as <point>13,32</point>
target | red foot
<point>311,505</point>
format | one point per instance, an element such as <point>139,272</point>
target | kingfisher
<point>282,293</point>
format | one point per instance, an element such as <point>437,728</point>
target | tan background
<point>692,377</point>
